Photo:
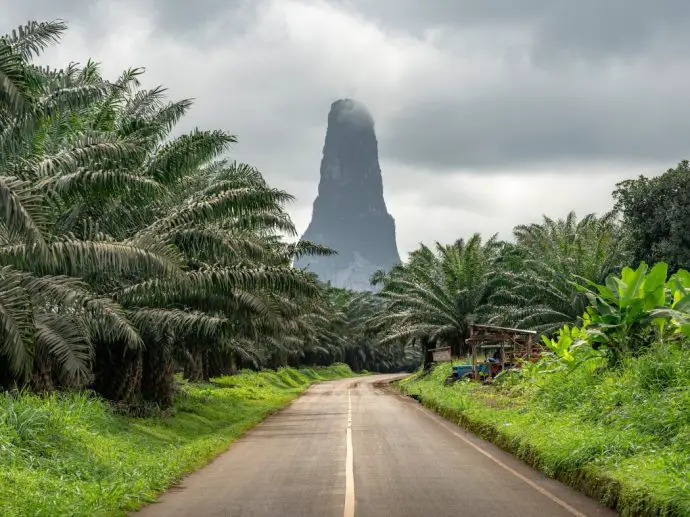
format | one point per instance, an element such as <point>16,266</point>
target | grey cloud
<point>15,13</point>
<point>84,13</point>
<point>584,81</point>
<point>553,108</point>
<point>509,84</point>
<point>584,29</point>
<point>587,29</point>
<point>204,23</point>
<point>185,16</point>
<point>414,15</point>
<point>518,122</point>
<point>354,113</point>
<point>462,201</point>
<point>198,22</point>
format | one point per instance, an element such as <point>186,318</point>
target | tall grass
<point>70,454</point>
<point>621,435</point>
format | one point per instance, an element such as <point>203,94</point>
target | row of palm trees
<point>128,251</point>
<point>433,298</point>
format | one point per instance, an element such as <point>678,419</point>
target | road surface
<point>351,448</point>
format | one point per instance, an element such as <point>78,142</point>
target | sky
<point>488,114</point>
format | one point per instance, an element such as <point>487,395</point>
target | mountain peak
<point>350,213</point>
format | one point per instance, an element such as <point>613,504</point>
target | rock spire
<point>349,213</point>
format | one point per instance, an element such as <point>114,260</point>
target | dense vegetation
<point>607,406</point>
<point>620,435</point>
<point>431,300</point>
<point>655,212</point>
<point>128,251</point>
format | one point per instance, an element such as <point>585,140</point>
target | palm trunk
<point>42,377</point>
<point>129,385</point>
<point>7,380</point>
<point>205,371</point>
<point>217,364</point>
<point>157,377</point>
<point>458,347</point>
<point>428,347</point>
<point>118,372</point>
<point>194,366</point>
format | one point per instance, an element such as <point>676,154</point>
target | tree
<point>436,295</point>
<point>126,252</point>
<point>536,283</point>
<point>656,214</point>
<point>346,334</point>
<point>48,317</point>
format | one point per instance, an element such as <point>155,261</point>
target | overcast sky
<point>489,113</point>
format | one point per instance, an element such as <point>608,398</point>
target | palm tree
<point>124,250</point>
<point>537,290</point>
<point>340,330</point>
<point>48,316</point>
<point>433,299</point>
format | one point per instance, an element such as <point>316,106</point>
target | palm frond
<point>31,39</point>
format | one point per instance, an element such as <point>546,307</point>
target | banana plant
<point>627,312</point>
<point>571,347</point>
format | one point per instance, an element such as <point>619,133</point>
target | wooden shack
<point>511,345</point>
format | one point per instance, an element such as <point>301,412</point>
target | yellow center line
<point>349,465</point>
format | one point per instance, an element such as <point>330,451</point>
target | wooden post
<point>474,361</point>
<point>474,356</point>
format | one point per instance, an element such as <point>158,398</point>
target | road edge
<point>141,504</point>
<point>596,485</point>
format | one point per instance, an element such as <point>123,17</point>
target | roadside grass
<point>622,435</point>
<point>70,454</point>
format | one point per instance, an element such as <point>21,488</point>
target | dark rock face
<point>349,212</point>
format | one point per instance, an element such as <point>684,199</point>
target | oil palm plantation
<point>125,250</point>
<point>433,298</point>
<point>539,269</point>
<point>48,315</point>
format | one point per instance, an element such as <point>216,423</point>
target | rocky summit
<point>350,212</point>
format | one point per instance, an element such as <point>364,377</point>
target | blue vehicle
<point>489,368</point>
<point>465,370</point>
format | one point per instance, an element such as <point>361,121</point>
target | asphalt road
<point>350,447</point>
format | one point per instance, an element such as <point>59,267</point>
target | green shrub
<point>630,312</point>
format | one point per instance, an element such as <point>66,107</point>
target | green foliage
<point>128,251</point>
<point>69,454</point>
<point>571,346</point>
<point>432,300</point>
<point>535,289</point>
<point>630,312</point>
<point>355,325</point>
<point>656,215</point>
<point>619,434</point>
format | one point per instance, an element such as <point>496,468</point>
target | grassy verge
<point>621,436</point>
<point>70,455</point>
